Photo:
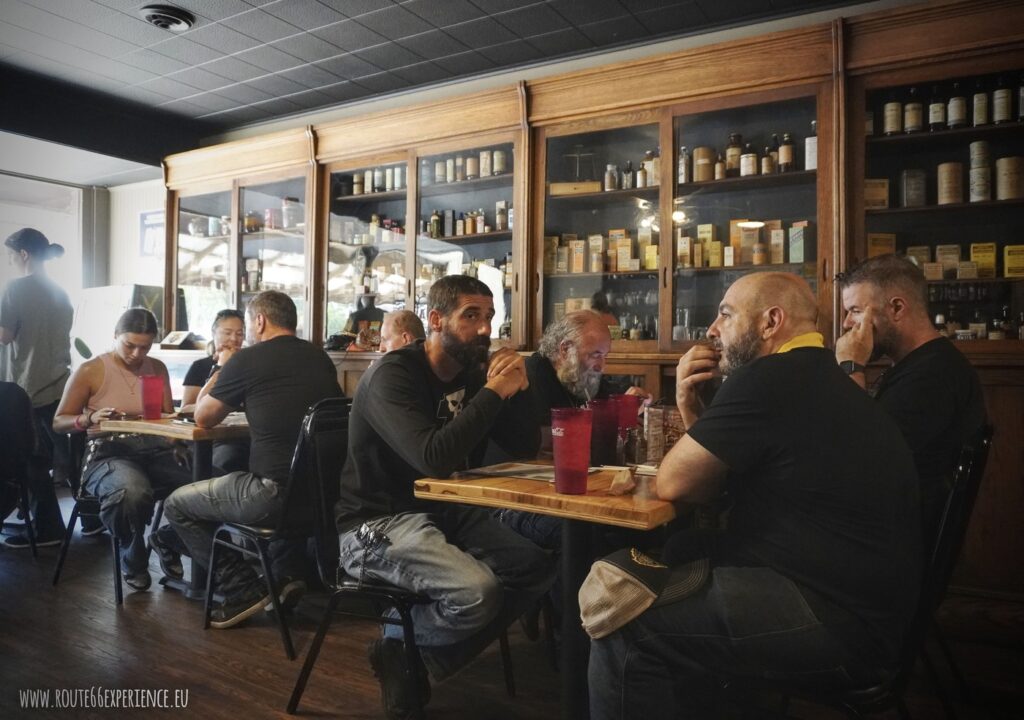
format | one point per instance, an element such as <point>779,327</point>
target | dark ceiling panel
<point>222,38</point>
<point>276,85</point>
<point>310,76</point>
<point>581,12</point>
<point>422,73</point>
<point>516,52</point>
<point>675,19</point>
<point>344,91</point>
<point>207,102</point>
<point>169,87</point>
<point>349,35</point>
<point>305,14</point>
<point>154,62</point>
<point>133,29</point>
<point>433,44</point>
<point>388,56</point>
<point>611,32</point>
<point>234,69</point>
<point>355,8</point>
<point>442,14</point>
<point>308,47</point>
<point>496,6</point>
<point>209,9</point>
<point>201,78</point>
<point>186,51</point>
<point>639,6</point>
<point>269,58</point>
<point>144,96</point>
<point>561,42</point>
<point>382,82</point>
<point>310,99</point>
<point>241,115</point>
<point>465,63</point>
<point>185,107</point>
<point>532,21</point>
<point>394,22</point>
<point>262,26</point>
<point>732,11</point>
<point>279,106</point>
<point>348,66</point>
<point>243,93</point>
<point>482,32</point>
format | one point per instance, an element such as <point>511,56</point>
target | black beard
<point>466,354</point>
<point>740,353</point>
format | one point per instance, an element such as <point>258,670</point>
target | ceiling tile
<point>278,106</point>
<point>347,66</point>
<point>613,32</point>
<point>186,51</point>
<point>481,33</point>
<point>258,24</point>
<point>311,99</point>
<point>82,11</point>
<point>382,82</point>
<point>222,38</point>
<point>234,69</point>
<point>447,12</point>
<point>201,78</point>
<point>308,47</point>
<point>207,102</point>
<point>733,10</point>
<point>394,22</point>
<point>305,14</point>
<point>127,27</point>
<point>355,8</point>
<point>433,44</point>
<point>269,58</point>
<point>311,76</point>
<point>209,9</point>
<point>349,35</point>
<point>154,62</point>
<point>532,21</point>
<point>518,51</point>
<point>639,6</point>
<point>184,107</point>
<point>344,91</point>
<point>465,63</point>
<point>496,6</point>
<point>581,12</point>
<point>243,93</point>
<point>275,85</point>
<point>168,87</point>
<point>388,56</point>
<point>561,42</point>
<point>683,18</point>
<point>239,115</point>
<point>422,73</point>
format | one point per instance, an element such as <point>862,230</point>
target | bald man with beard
<point>815,578</point>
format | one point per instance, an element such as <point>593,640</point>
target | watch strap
<point>850,367</point>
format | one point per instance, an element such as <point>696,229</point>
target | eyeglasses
<point>230,333</point>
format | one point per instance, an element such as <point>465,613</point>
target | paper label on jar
<point>892,122</point>
<point>732,158</point>
<point>981,184</point>
<point>785,154</point>
<point>748,165</point>
<point>912,117</point>
<point>981,109</point>
<point>1001,105</point>
<point>937,114</point>
<point>957,111</point>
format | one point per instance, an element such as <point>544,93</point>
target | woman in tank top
<point>125,471</point>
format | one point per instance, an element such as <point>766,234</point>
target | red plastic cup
<point>629,407</point>
<point>152,396</point>
<point>570,436</point>
<point>604,431</point>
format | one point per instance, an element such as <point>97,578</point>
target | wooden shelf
<point>988,205</point>
<point>652,274</point>
<point>475,237</point>
<point>372,197</point>
<point>944,137</point>
<point>780,267</point>
<point>986,280</point>
<point>275,233</point>
<point>599,198</point>
<point>750,182</point>
<point>464,186</point>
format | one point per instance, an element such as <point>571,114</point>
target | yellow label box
<point>984,254</point>
<point>881,244</point>
<point>1013,261</point>
<point>876,193</point>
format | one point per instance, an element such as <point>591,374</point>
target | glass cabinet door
<point>602,229</point>
<point>273,242</point>
<point>745,201</point>
<point>366,250</point>
<point>204,255</point>
<point>465,224</point>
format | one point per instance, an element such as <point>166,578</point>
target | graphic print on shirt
<point>450,405</point>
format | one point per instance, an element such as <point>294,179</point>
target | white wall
<point>127,263</point>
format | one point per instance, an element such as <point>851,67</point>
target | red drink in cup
<point>604,432</point>
<point>629,407</point>
<point>570,436</point>
<point>152,396</point>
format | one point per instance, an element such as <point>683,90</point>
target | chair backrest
<point>76,456</point>
<point>315,483</point>
<point>950,538</point>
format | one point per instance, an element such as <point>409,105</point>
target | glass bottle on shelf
<point>940,325</point>
<point>733,151</point>
<point>1002,102</point>
<point>683,166</point>
<point>720,168</point>
<point>811,148</point>
<point>913,112</point>
<point>892,115</point>
<point>786,154</point>
<point>767,165</point>
<point>775,150</point>
<point>641,176</point>
<point>611,177</point>
<point>1020,98</point>
<point>434,225</point>
<point>936,110</point>
<point>956,108</point>
<point>628,176</point>
<point>980,115</point>
<point>748,161</point>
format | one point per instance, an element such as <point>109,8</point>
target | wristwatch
<point>850,367</point>
<point>213,369</point>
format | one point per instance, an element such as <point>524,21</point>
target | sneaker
<point>21,541</point>
<point>169,558</point>
<point>290,593</point>
<point>399,692</point>
<point>92,530</point>
<point>240,607</point>
<point>139,582</point>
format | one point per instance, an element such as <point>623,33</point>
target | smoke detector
<point>168,17</point>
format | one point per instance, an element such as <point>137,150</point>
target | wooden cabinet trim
<point>265,153</point>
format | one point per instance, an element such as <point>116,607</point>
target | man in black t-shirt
<point>931,390</point>
<point>427,410</point>
<point>277,378</point>
<point>815,578</point>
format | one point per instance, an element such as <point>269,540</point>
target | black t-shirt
<point>198,372</point>
<point>824,489</point>
<point>406,424</point>
<point>277,381</point>
<point>935,397</point>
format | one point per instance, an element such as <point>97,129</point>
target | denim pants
<point>127,488</point>
<point>195,511</point>
<point>45,510</point>
<point>479,574</point>
<point>747,622</point>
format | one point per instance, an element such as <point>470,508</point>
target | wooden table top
<point>176,429</point>
<point>641,510</point>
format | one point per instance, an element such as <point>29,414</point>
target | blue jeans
<point>127,488</point>
<point>480,575</point>
<point>747,622</point>
<point>195,511</point>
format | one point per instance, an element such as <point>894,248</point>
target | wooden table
<point>202,440</point>
<point>640,511</point>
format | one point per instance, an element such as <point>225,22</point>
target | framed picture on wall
<point>151,233</point>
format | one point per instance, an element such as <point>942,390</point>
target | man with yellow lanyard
<point>816,575</point>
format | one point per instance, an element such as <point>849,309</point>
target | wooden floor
<point>74,636</point>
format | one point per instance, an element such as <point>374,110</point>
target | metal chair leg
<point>506,664</point>
<point>208,602</point>
<point>313,653</point>
<point>412,652</point>
<point>965,690</point>
<point>282,621</point>
<point>29,530</point>
<point>68,534</point>
<point>115,548</point>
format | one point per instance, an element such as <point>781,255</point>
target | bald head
<point>400,328</point>
<point>576,346</point>
<point>787,291</point>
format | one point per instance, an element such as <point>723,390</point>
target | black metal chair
<point>19,429</point>
<point>378,595</point>
<point>88,505</point>
<point>888,694</point>
<point>319,453</point>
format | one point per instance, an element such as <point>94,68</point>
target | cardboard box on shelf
<point>728,256</point>
<point>651,257</point>
<point>984,254</point>
<point>881,244</point>
<point>967,270</point>
<point>550,254</point>
<point>715,254</point>
<point>876,193</point>
<point>949,257</point>
<point>574,188</point>
<point>749,237</point>
<point>578,256</point>
<point>1013,261</point>
<point>684,250</point>
<point>777,247</point>
<point>920,254</point>
<point>932,271</point>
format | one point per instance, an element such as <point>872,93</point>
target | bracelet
<point>78,423</point>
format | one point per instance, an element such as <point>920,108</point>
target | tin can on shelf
<point>498,166</point>
<point>950,183</point>
<point>485,163</point>
<point>980,182</point>
<point>704,164</point>
<point>980,156</point>
<point>912,188</point>
<point>1008,178</point>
